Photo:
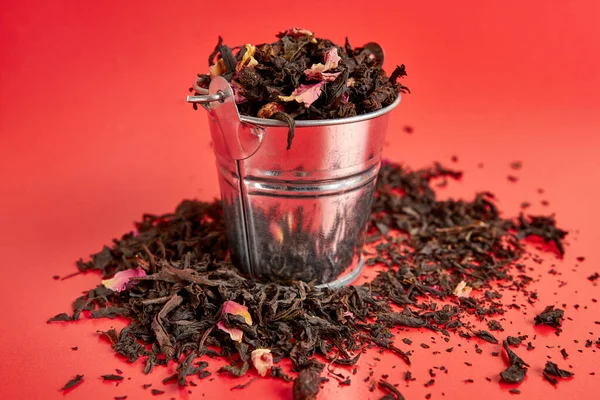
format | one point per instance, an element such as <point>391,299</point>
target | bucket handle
<point>205,97</point>
<point>241,139</point>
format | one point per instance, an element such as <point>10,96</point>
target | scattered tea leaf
<point>72,383</point>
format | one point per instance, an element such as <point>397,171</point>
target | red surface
<point>94,131</point>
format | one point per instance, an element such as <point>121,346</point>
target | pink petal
<point>262,359</point>
<point>298,32</point>
<point>237,97</point>
<point>316,71</point>
<point>332,59</point>
<point>345,97</point>
<point>233,308</point>
<point>321,76</point>
<point>121,282</point>
<point>348,314</point>
<point>306,94</point>
<point>234,333</point>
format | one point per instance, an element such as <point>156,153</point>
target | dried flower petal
<point>237,96</point>
<point>218,69</point>
<point>233,308</point>
<point>248,59</point>
<point>332,59</point>
<point>262,359</point>
<point>298,32</point>
<point>306,94</point>
<point>121,282</point>
<point>269,109</point>
<point>234,333</point>
<point>316,71</point>
<point>462,290</point>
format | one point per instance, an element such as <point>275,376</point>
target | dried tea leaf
<point>516,372</point>
<point>112,377</point>
<point>485,335</point>
<point>550,316</point>
<point>552,369</point>
<point>72,383</point>
<point>60,317</point>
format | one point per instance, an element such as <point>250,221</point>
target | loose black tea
<point>394,393</point>
<point>301,76</point>
<point>552,369</point>
<point>551,372</point>
<point>550,316</point>
<point>112,377</point>
<point>73,382</point>
<point>184,299</point>
<point>517,370</point>
<point>515,340</point>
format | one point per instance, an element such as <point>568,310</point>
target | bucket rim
<point>323,122</point>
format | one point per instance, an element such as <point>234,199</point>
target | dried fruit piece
<point>306,385</point>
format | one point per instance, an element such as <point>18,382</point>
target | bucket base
<point>347,278</point>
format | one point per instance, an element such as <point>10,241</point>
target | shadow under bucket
<point>297,214</point>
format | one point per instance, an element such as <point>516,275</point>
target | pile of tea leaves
<point>184,300</point>
<point>301,76</point>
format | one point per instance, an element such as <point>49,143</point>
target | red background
<point>94,131</point>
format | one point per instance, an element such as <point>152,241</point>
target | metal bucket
<point>297,214</point>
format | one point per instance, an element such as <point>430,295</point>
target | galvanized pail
<point>297,214</point>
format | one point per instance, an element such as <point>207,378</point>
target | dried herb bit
<point>550,316</point>
<point>156,392</point>
<point>515,391</point>
<point>516,164</point>
<point>495,325</point>
<point>516,372</point>
<point>306,385</point>
<point>120,397</point>
<point>485,335</point>
<point>402,319</point>
<point>72,383</point>
<point>553,370</point>
<point>112,377</point>
<point>245,385</point>
<point>277,372</point>
<point>515,340</point>
<point>60,317</point>
<point>237,371</point>
<point>543,227</point>
<point>564,354</point>
<point>392,389</point>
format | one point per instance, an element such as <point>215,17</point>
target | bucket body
<point>301,214</point>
